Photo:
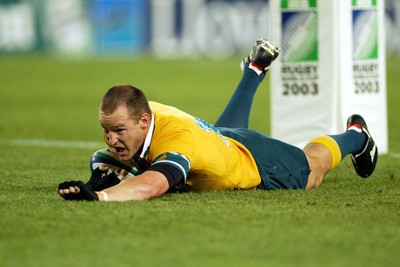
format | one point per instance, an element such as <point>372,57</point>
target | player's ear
<point>145,120</point>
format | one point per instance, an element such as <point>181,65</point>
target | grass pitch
<point>49,128</point>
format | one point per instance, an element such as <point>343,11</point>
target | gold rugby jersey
<point>207,160</point>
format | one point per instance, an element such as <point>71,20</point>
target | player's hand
<point>76,190</point>
<point>101,179</point>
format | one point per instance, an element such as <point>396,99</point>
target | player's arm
<point>156,181</point>
<point>144,186</point>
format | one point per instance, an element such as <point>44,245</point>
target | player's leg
<point>280,165</point>
<point>326,152</point>
<point>236,113</point>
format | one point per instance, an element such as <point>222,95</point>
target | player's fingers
<point>118,172</point>
<point>122,174</point>
<point>61,192</point>
<point>63,188</point>
<point>69,190</point>
<point>104,168</point>
<point>74,190</point>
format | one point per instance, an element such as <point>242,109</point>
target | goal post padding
<point>332,65</point>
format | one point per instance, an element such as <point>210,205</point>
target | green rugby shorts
<point>281,165</point>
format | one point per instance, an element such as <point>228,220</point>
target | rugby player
<point>185,153</point>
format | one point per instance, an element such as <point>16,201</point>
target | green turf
<point>349,221</point>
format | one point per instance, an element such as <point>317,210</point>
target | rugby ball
<point>109,157</point>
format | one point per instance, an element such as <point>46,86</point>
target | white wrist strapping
<point>105,196</point>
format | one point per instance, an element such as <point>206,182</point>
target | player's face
<point>123,132</point>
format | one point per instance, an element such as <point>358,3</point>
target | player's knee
<point>319,158</point>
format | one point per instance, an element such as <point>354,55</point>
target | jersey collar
<point>147,141</point>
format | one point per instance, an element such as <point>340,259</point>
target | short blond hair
<point>125,95</point>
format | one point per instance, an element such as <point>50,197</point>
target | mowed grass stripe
<point>79,144</point>
<point>52,143</point>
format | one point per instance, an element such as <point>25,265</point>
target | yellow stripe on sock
<point>332,146</point>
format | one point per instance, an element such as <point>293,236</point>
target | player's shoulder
<point>163,110</point>
<point>157,107</point>
<point>169,119</point>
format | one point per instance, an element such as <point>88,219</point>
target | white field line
<point>52,143</point>
<point>77,144</point>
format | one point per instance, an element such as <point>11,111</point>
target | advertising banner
<point>120,26</point>
<point>170,29</point>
